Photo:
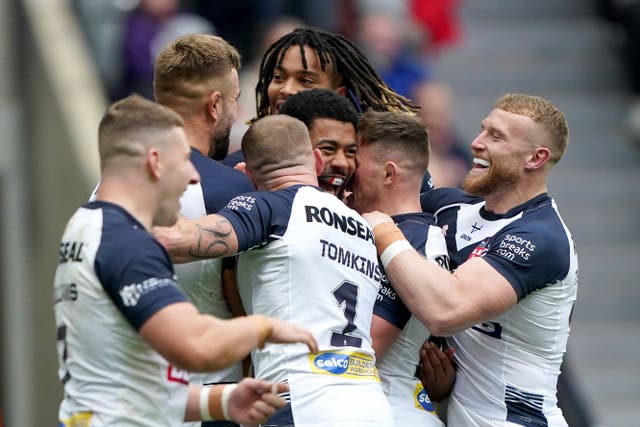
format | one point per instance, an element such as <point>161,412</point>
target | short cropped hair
<point>396,136</point>
<point>130,124</point>
<point>545,114</point>
<point>275,142</point>
<point>309,105</point>
<point>191,66</point>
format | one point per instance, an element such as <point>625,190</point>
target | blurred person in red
<point>439,21</point>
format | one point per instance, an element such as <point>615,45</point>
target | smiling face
<point>291,77</point>
<point>500,152</point>
<point>336,141</point>
<point>367,180</point>
<point>178,172</point>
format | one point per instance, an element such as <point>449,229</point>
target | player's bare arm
<point>211,236</point>
<point>445,303</point>
<point>249,403</point>
<point>383,335</point>
<point>203,343</point>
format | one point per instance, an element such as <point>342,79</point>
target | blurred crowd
<point>400,38</point>
<point>624,16</point>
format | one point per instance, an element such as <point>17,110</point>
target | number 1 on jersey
<point>347,297</point>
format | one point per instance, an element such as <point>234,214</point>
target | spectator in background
<point>450,161</point>
<point>146,30</point>
<point>320,14</point>
<point>102,22</point>
<point>439,22</point>
<point>626,14</point>
<point>386,43</point>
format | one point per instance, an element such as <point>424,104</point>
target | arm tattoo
<point>212,242</point>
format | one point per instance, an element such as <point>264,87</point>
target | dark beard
<point>219,147</point>
<point>496,178</point>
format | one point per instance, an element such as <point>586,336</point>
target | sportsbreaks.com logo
<point>344,364</point>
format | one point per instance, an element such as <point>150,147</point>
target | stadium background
<point>51,100</point>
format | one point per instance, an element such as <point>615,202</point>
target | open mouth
<point>278,106</point>
<point>480,163</point>
<point>335,181</point>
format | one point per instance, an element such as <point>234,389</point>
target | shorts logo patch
<point>79,419</point>
<point>421,399</point>
<point>344,364</point>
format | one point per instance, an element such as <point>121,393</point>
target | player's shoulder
<point>438,198</point>
<point>218,174</point>
<point>122,235</point>
<point>539,231</point>
<point>540,216</point>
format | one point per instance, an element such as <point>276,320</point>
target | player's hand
<point>285,332</point>
<point>374,218</point>
<point>436,371</point>
<point>241,166</point>
<point>254,401</point>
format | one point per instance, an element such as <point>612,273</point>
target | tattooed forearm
<point>212,242</point>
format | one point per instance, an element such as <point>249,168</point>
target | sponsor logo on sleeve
<point>177,375</point>
<point>245,203</point>
<point>132,293</point>
<point>514,247</point>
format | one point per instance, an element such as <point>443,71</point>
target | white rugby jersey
<point>201,280</point>
<point>111,278</point>
<point>409,400</point>
<point>508,367</point>
<point>313,262</point>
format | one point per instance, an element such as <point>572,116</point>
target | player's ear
<point>214,105</point>
<point>538,158</point>
<point>153,163</point>
<point>390,172</point>
<point>319,161</point>
<point>342,90</point>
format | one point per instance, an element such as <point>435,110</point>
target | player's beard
<point>220,146</point>
<point>482,182</point>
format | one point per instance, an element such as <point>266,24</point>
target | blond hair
<point>190,67</point>
<point>544,114</point>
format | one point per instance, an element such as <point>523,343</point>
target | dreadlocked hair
<point>366,90</point>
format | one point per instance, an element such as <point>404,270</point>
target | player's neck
<point>199,136</point>
<point>283,179</point>
<point>135,203</point>
<point>398,202</point>
<point>503,200</point>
